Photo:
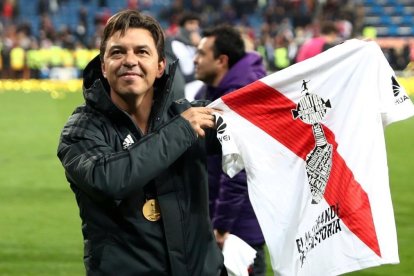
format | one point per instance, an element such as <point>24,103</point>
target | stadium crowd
<point>275,28</point>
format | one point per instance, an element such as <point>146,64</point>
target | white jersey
<point>185,54</point>
<point>311,138</point>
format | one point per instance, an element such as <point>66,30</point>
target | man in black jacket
<point>136,161</point>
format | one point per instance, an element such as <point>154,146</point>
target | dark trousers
<point>259,265</point>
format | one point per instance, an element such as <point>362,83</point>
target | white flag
<point>311,138</point>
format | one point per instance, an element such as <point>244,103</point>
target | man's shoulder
<point>84,117</point>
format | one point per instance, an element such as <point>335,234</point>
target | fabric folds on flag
<point>311,139</point>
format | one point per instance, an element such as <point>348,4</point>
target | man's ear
<point>103,69</point>
<point>161,68</point>
<point>223,60</point>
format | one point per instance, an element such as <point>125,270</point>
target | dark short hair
<point>127,19</point>
<point>188,16</point>
<point>228,41</point>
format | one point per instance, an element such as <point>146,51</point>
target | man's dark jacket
<point>113,168</point>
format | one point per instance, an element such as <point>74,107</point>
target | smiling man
<point>136,161</point>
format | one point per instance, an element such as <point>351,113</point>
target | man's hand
<point>220,237</point>
<point>200,118</point>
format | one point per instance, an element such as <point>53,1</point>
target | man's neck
<point>219,77</point>
<point>138,107</point>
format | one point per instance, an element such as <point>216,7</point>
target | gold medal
<point>151,210</point>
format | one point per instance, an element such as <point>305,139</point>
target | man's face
<point>131,63</point>
<point>205,64</point>
<point>192,25</point>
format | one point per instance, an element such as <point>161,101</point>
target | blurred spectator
<point>46,28</point>
<point>398,58</point>
<point>53,6</point>
<point>275,28</point>
<point>227,14</point>
<point>33,59</point>
<point>197,6</point>
<point>8,42</point>
<point>82,57</point>
<point>344,23</point>
<point>171,12</point>
<point>281,53</point>
<point>185,42</point>
<point>102,17</point>
<point>66,39</point>
<point>17,61</point>
<point>132,4</point>
<point>328,37</point>
<point>274,14</point>
<point>42,7</point>
<point>81,29</point>
<point>244,7</point>
<point>9,11</point>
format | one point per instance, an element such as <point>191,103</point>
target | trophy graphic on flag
<point>311,109</point>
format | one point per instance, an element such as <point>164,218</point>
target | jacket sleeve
<point>96,168</point>
<point>232,195</point>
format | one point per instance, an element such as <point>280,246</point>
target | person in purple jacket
<point>222,63</point>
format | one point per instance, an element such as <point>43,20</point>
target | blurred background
<point>46,44</point>
<point>54,39</point>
